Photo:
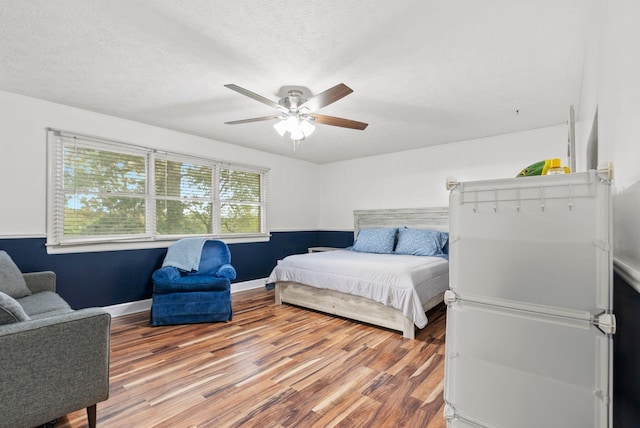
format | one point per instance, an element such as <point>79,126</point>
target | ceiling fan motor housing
<point>292,100</point>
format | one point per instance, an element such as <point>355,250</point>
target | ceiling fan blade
<point>338,121</point>
<point>327,97</point>
<point>256,97</point>
<point>255,119</point>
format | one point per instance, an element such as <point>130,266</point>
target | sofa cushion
<point>11,280</point>
<point>10,310</point>
<point>43,304</point>
<point>193,283</point>
<point>51,314</point>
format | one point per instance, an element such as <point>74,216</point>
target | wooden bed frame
<point>360,308</point>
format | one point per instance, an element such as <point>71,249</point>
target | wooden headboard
<point>420,218</point>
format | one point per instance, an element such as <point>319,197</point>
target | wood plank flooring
<point>271,366</point>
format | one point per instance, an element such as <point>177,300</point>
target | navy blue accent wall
<point>257,260</point>
<point>336,239</point>
<point>90,279</point>
<point>626,355</point>
<point>113,277</point>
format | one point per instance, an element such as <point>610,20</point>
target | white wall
<point>293,203</point>
<point>585,112</point>
<point>416,178</point>
<point>611,82</point>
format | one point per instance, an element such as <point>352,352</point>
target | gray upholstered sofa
<point>53,360</point>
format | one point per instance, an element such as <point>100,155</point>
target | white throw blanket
<point>185,254</point>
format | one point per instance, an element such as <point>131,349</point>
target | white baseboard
<point>248,285</point>
<point>628,272</point>
<point>145,305</point>
<point>128,308</point>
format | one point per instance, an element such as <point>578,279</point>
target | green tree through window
<point>240,197</point>
<point>104,192</point>
<point>184,203</point>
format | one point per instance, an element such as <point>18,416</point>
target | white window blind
<point>241,201</point>
<point>106,191</point>
<point>184,197</point>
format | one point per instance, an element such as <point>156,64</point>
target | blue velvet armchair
<point>183,296</point>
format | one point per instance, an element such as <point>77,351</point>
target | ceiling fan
<point>296,113</point>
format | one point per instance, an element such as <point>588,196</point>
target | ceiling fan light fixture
<point>297,135</point>
<point>298,128</point>
<point>307,127</point>
<point>281,127</point>
<point>293,124</point>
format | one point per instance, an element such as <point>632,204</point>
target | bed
<point>387,290</point>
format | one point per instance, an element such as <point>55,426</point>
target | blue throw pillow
<point>380,241</point>
<point>421,242</point>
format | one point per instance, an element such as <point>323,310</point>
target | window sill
<point>141,245</point>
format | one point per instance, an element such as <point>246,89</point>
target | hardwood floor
<point>272,366</point>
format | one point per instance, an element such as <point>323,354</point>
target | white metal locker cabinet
<point>529,318</point>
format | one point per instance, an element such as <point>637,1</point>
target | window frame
<point>173,157</point>
<point>57,242</point>
<point>263,187</point>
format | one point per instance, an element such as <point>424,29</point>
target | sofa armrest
<point>40,281</point>
<point>167,273</point>
<point>53,366</point>
<point>226,271</point>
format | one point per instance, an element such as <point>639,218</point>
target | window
<point>104,191</point>
<point>240,210</point>
<point>183,197</point>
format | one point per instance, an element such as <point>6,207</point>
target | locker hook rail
<point>480,194</point>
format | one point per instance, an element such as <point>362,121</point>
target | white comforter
<point>400,281</point>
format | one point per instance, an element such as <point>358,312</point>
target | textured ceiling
<point>424,72</point>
